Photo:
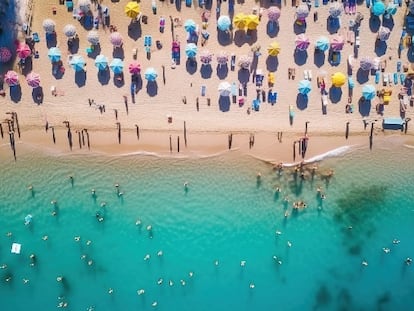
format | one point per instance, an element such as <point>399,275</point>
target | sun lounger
<point>385,79</point>
<point>402,78</point>
<point>147,40</point>
<point>357,41</point>
<point>305,75</point>
<point>256,105</point>
<point>395,78</point>
<point>203,90</point>
<point>310,75</point>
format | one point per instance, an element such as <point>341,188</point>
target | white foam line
<point>332,153</point>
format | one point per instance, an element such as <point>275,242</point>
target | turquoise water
<point>225,215</point>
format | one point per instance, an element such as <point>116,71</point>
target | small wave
<point>332,153</point>
<point>408,146</point>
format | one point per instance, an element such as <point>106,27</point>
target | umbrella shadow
<point>272,29</point>
<point>410,55</point>
<point>298,29</point>
<point>374,23</point>
<point>362,76</point>
<point>37,95</point>
<point>272,63</point>
<point>255,61</point>
<point>152,88</point>
<point>56,72</point>
<point>137,81</point>
<point>16,93</point>
<point>191,65</point>
<point>80,78</point>
<point>251,36</point>
<point>335,94</point>
<point>28,66</point>
<point>224,37</point>
<point>302,101</point>
<point>118,52</point>
<point>104,76</point>
<point>224,103</point>
<point>134,30</point>
<point>119,80</point>
<point>73,47</point>
<point>319,58</point>
<point>332,25</point>
<point>51,40</point>
<point>206,71</point>
<point>380,47</point>
<point>300,57</point>
<point>222,71</point>
<point>388,22</point>
<point>178,5</point>
<point>364,107</point>
<point>243,75</point>
<point>239,37</point>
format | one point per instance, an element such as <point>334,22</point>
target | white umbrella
<point>224,89</point>
<point>84,5</point>
<point>93,37</point>
<point>49,25</point>
<point>69,30</point>
<point>245,61</point>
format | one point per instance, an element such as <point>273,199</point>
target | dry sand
<point>208,128</point>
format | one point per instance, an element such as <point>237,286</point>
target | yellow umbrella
<point>252,21</point>
<point>274,49</point>
<point>338,79</point>
<point>239,20</point>
<point>132,9</point>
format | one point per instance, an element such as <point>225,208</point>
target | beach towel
<point>377,76</point>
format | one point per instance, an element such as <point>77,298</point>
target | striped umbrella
<point>222,58</point>
<point>23,50</point>
<point>5,55</point>
<point>378,8</point>
<point>336,10</point>
<point>33,80</point>
<point>134,68</point>
<point>191,50</point>
<point>77,63</point>
<point>366,63</point>
<point>337,43</point>
<point>322,44</point>
<point>150,74</point>
<point>206,57</point>
<point>190,25</point>
<point>302,42</point>
<point>84,5</point>
<point>245,62</point>
<point>302,11</point>
<point>116,39</point>
<point>11,78</point>
<point>384,33</point>
<point>54,54</point>
<point>117,65</point>
<point>369,92</point>
<point>304,87</point>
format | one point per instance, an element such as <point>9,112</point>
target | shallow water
<point>226,214</point>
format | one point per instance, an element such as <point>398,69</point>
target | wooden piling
<point>80,139</point>
<point>137,127</point>
<point>53,134</point>
<point>170,144</point>
<point>178,143</point>
<point>185,134</point>
<point>1,131</point>
<point>70,138</point>
<point>347,130</point>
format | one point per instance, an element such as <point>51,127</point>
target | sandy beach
<point>208,126</point>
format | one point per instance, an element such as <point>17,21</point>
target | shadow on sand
<point>152,88</point>
<point>364,107</point>
<point>134,30</point>
<point>300,57</point>
<point>104,76</point>
<point>319,58</point>
<point>272,63</point>
<point>362,76</point>
<point>224,37</point>
<point>191,65</point>
<point>380,47</point>
<point>222,71</point>
<point>224,103</point>
<point>243,75</point>
<point>206,71</point>
<point>335,94</point>
<point>374,23</point>
<point>37,95</point>
<point>118,52</point>
<point>16,93</point>
<point>80,78</point>
<point>272,29</point>
<point>302,101</point>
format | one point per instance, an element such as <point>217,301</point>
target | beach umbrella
<point>117,65</point>
<point>11,78</point>
<point>337,43</point>
<point>116,39</point>
<point>101,62</point>
<point>93,37</point>
<point>302,11</point>
<point>206,57</point>
<point>205,15</point>
<point>69,30</point>
<point>273,49</point>
<point>33,80</point>
<point>84,5</point>
<point>5,55</point>
<point>239,20</point>
<point>191,50</point>
<point>302,42</point>
<point>378,8</point>
<point>366,63</point>
<point>384,33</point>
<point>132,9</point>
<point>23,50</point>
<point>77,63</point>
<point>190,25</point>
<point>49,25</point>
<point>322,44</point>
<point>134,68</point>
<point>245,62</point>
<point>222,58</point>
<point>338,79</point>
<point>150,74</point>
<point>54,54</point>
<point>335,10</point>
<point>223,23</point>
<point>391,8</point>
<point>304,87</point>
<point>273,13</point>
<point>252,21</point>
<point>224,89</point>
<point>369,92</point>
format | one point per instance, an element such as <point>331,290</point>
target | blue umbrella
<point>378,8</point>
<point>369,92</point>
<point>191,50</point>
<point>304,87</point>
<point>77,63</point>
<point>322,44</point>
<point>223,23</point>
<point>391,9</point>
<point>54,54</point>
<point>101,62</point>
<point>190,25</point>
<point>150,74</point>
<point>117,65</point>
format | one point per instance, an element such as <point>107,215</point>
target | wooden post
<point>185,135</point>
<point>178,143</point>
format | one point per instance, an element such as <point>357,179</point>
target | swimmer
<point>32,256</point>
<point>160,253</point>
<point>395,241</point>
<point>93,192</point>
<point>190,274</point>
<point>278,232</point>
<point>59,278</point>
<point>252,285</point>
<point>182,282</point>
<point>147,256</point>
<point>289,244</point>
<point>319,190</point>
<point>90,262</point>
<point>77,238</point>
<point>53,213</point>
<point>286,199</point>
<point>154,304</point>
<point>3,266</point>
<point>116,185</point>
<point>8,279</point>
<point>160,280</point>
<point>186,185</point>
<point>25,281</point>
<point>120,194</point>
<point>216,262</point>
<point>89,242</point>
<point>138,222</point>
<point>110,291</point>
<point>259,175</point>
<point>171,283</point>
<point>242,263</point>
<point>277,189</point>
<point>45,237</point>
<point>408,261</point>
<point>276,259</point>
<point>323,196</point>
<point>30,187</point>
<point>286,214</point>
<point>53,202</point>
<point>386,250</point>
<point>103,204</point>
<point>149,228</point>
<point>364,263</point>
<point>9,234</point>
<point>140,292</point>
<point>83,257</point>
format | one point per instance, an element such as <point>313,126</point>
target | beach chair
<point>324,99</point>
<point>305,75</point>
<point>395,78</point>
<point>385,79</point>
<point>259,78</point>
<point>256,105</point>
<point>147,40</point>
<point>69,5</point>
<point>402,78</point>
<point>233,62</point>
<point>134,53</point>
<point>377,76</point>
<point>270,79</point>
<point>399,66</point>
<point>203,90</point>
<point>357,41</point>
<point>310,75</point>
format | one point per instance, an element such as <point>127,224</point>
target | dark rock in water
<point>384,298</point>
<point>323,297</point>
<point>344,299</point>
<point>355,250</point>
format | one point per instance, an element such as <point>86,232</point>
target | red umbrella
<point>23,50</point>
<point>11,78</point>
<point>134,68</point>
<point>33,80</point>
<point>5,55</point>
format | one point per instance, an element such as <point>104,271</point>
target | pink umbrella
<point>116,39</point>
<point>5,55</point>
<point>134,68</point>
<point>302,42</point>
<point>23,50</point>
<point>337,43</point>
<point>222,58</point>
<point>11,78</point>
<point>33,80</point>
<point>273,13</point>
<point>206,57</point>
